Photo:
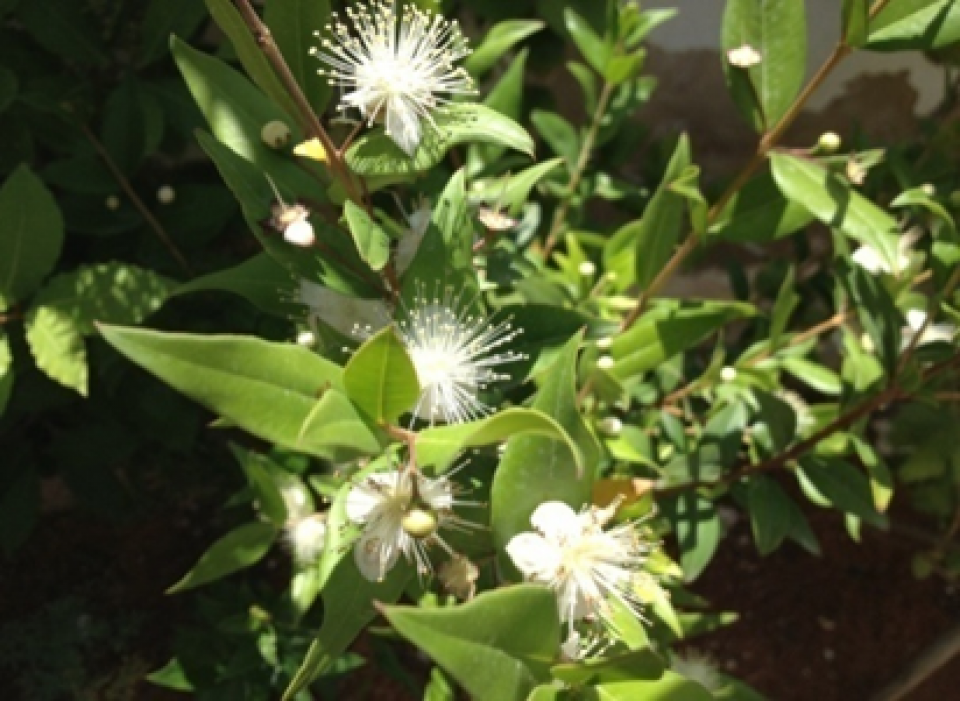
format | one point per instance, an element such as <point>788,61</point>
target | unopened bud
<point>300,233</point>
<point>166,194</point>
<point>955,198</point>
<point>605,343</point>
<point>728,374</point>
<point>829,142</point>
<point>605,362</point>
<point>928,190</point>
<point>610,426</point>
<point>419,523</point>
<point>112,203</point>
<point>587,269</point>
<point>306,338</point>
<point>275,134</point>
<point>867,343</point>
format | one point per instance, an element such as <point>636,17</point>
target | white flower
<point>395,68</point>
<point>401,512</point>
<point>451,350</point>
<point>582,563</point>
<point>418,222</point>
<point>306,537</point>
<point>933,333</point>
<point>870,259</point>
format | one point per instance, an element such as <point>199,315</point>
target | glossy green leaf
<point>349,605</point>
<point>759,213</point>
<point>505,97</point>
<point>258,470</point>
<point>669,328</point>
<point>171,676</point>
<point>109,293</point>
<point>633,665</point>
<point>662,223</point>
<point>670,687</point>
<point>836,204</point>
<point>776,421</point>
<point>535,469</point>
<point>772,513</point>
<point>31,234</point>
<point>460,123</point>
<point>480,644</point>
<point>373,243</point>
<point>841,484</point>
<point>814,375</point>
<point>261,280</point>
<point>251,56</point>
<point>501,37</point>
<point>915,25</point>
<point>268,389</point>
<point>592,47</point>
<point>65,28</point>
<point>335,421</point>
<point>57,347</point>
<point>560,135</point>
<point>697,529</point>
<point>439,446</point>
<point>292,24</point>
<point>854,22</point>
<point>240,548</point>
<point>381,379</point>
<point>777,31</point>
<point>511,194</point>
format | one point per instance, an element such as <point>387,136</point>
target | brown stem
<point>586,149</point>
<point>128,190</point>
<point>767,143</point>
<point>308,118</point>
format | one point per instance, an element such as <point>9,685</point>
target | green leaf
<point>669,328</point>
<point>240,548</point>
<point>381,379</point>
<point>171,676</point>
<point>506,97</point>
<point>373,243</point>
<point>759,213</point>
<point>348,607</point>
<point>773,514</point>
<point>268,389</point>
<point>535,469</point>
<point>670,687</point>
<point>31,234</point>
<point>109,293</point>
<point>514,192</point>
<point>855,20</point>
<point>697,528</point>
<point>814,375</point>
<point>439,446</point>
<point>335,422</point>
<point>132,124</point>
<point>480,644</point>
<point>662,223</point>
<point>261,280</point>
<point>57,346</point>
<point>166,17</point>
<point>777,31</point>
<point>460,123</point>
<point>258,469</point>
<point>560,135</point>
<point>9,85</point>
<point>915,25</point>
<point>591,46</point>
<point>777,418</point>
<point>842,485</point>
<point>836,204</point>
<point>251,56</point>
<point>498,41</point>
<point>293,23</point>
<point>633,665</point>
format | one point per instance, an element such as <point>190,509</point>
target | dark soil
<point>836,627</point>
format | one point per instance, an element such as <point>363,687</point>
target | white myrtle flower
<point>395,67</point>
<point>348,315</point>
<point>870,259</point>
<point>401,512</point>
<point>581,562</point>
<point>933,333</point>
<point>452,351</point>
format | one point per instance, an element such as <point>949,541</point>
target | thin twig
<point>127,188</point>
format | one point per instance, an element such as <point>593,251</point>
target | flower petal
<point>375,555</point>
<point>535,556</point>
<point>403,126</point>
<point>556,521</point>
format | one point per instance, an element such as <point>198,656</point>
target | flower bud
<point>829,142</point>
<point>306,339</point>
<point>166,194</point>
<point>610,426</point>
<point>300,233</point>
<point>112,203</point>
<point>605,343</point>
<point>728,374</point>
<point>275,134</point>
<point>928,190</point>
<point>587,269</point>
<point>605,362</point>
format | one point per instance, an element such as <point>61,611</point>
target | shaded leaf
<point>240,548</point>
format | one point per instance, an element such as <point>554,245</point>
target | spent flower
<point>396,67</point>
<point>401,512</point>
